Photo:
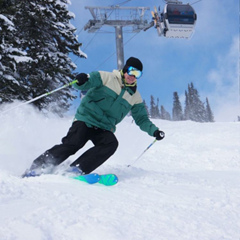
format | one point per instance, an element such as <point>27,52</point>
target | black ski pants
<point>105,144</point>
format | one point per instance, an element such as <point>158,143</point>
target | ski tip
<point>108,179</point>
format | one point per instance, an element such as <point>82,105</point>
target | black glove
<point>82,78</point>
<point>159,135</point>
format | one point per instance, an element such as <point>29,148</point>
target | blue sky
<point>210,59</point>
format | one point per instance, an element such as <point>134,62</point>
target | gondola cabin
<point>179,20</point>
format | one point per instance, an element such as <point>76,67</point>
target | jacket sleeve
<point>94,80</point>
<point>139,114</point>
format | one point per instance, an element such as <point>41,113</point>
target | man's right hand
<point>82,78</point>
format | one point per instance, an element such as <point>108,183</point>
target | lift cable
<point>104,61</point>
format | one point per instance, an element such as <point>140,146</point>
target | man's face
<point>130,79</point>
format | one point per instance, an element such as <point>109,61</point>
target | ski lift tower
<point>117,17</point>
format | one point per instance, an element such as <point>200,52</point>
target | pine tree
<point>157,109</point>
<point>153,107</point>
<point>196,110</point>
<point>190,95</point>
<point>209,113</point>
<point>164,114</point>
<point>45,37</point>
<point>10,53</point>
<point>199,111</point>
<point>177,114</point>
<point>187,107</point>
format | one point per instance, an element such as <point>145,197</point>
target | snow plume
<point>24,129</point>
<point>184,187</point>
<point>225,78</point>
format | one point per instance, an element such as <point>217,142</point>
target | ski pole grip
<point>71,83</point>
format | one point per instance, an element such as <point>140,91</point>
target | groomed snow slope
<point>186,187</point>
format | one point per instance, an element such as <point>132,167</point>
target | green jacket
<point>108,101</point>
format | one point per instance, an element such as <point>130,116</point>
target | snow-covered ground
<point>184,187</point>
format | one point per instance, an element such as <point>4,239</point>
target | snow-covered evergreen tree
<point>196,109</point>
<point>153,107</point>
<point>199,112</point>
<point>177,114</point>
<point>209,113</point>
<point>44,36</point>
<point>157,109</point>
<point>11,53</point>
<point>191,102</point>
<point>187,107</point>
<point>164,114</point>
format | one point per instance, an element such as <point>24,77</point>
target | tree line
<point>194,108</point>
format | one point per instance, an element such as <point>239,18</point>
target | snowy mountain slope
<point>184,187</point>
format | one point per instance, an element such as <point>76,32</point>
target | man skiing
<point>110,97</point>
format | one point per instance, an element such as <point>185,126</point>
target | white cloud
<point>225,77</point>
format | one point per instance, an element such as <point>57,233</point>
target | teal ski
<point>92,178</point>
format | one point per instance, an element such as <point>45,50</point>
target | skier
<point>110,96</point>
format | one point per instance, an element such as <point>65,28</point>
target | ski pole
<point>143,152</point>
<point>41,96</point>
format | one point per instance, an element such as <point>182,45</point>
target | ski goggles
<point>134,72</point>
